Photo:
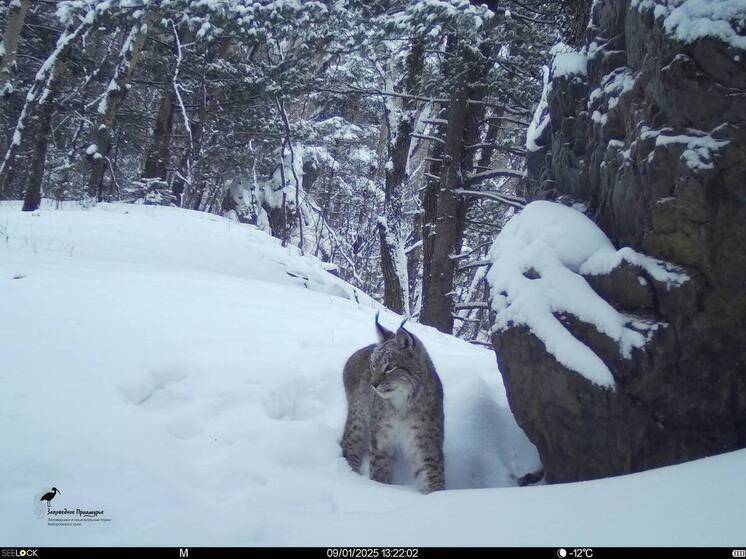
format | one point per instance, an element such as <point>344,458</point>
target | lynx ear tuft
<point>404,338</point>
<point>383,333</point>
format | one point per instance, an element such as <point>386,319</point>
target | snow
<point>604,261</point>
<point>280,188</point>
<point>538,259</point>
<point>599,118</point>
<point>692,20</point>
<point>541,116</point>
<point>614,85</point>
<point>183,373</point>
<point>361,154</point>
<point>568,61</point>
<point>701,147</point>
<point>697,19</point>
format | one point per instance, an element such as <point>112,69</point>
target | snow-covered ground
<point>183,374</point>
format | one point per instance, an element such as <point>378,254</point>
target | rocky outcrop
<point>650,136</point>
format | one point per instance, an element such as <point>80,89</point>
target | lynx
<point>394,409</point>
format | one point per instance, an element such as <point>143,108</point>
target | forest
<point>387,138</point>
<point>373,272</point>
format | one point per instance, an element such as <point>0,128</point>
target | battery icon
<point>739,553</point>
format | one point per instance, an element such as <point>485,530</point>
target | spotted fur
<point>394,409</point>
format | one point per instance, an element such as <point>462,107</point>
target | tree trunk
<point>44,113</point>
<point>112,99</point>
<point>195,191</point>
<point>401,114</point>
<point>156,160</point>
<point>15,17</point>
<point>462,130</point>
<point>40,88</point>
<point>431,191</point>
<point>437,305</point>
<point>193,164</point>
<point>159,154</point>
<point>430,204</point>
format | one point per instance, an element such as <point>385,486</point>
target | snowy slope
<point>183,373</point>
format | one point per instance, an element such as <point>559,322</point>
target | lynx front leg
<point>381,457</point>
<point>429,466</point>
<point>355,438</point>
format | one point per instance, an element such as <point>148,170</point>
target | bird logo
<point>49,495</point>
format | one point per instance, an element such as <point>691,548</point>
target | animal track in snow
<point>157,385</point>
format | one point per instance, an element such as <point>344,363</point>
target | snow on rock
<point>604,261</point>
<point>184,373</point>
<point>612,87</point>
<point>701,147</point>
<point>692,20</point>
<point>568,61</point>
<point>535,278</point>
<point>696,19</point>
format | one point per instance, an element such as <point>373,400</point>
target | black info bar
<point>377,552</point>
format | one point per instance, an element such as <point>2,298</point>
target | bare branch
<point>465,319</point>
<point>435,121</point>
<point>477,342</point>
<point>503,106</point>
<point>472,251</point>
<point>471,305</point>
<point>514,201</point>
<point>360,91</point>
<point>499,147</point>
<point>475,264</point>
<point>431,138</point>
<point>505,119</point>
<point>491,174</point>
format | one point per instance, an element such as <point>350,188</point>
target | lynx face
<point>392,365</point>
<point>394,383</point>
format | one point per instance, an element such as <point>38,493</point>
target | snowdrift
<point>183,373</point>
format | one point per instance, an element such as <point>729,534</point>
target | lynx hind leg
<point>356,379</point>
<point>355,437</point>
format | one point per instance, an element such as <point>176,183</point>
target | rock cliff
<point>645,127</point>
